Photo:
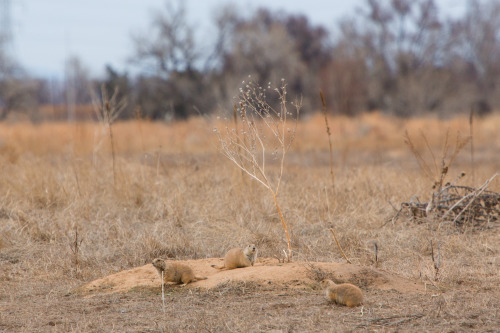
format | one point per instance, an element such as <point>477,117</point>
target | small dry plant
<point>340,247</point>
<point>162,291</point>
<point>437,174</point>
<point>264,129</point>
<point>75,248</point>
<point>436,260</point>
<point>107,109</point>
<point>329,133</point>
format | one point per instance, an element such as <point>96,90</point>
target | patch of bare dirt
<point>265,271</point>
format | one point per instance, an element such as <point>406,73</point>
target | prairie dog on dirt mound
<point>175,272</point>
<point>345,293</point>
<point>237,257</point>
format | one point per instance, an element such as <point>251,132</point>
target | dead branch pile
<point>463,206</point>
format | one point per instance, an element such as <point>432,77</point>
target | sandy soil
<point>266,271</point>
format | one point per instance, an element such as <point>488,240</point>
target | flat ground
<point>78,234</point>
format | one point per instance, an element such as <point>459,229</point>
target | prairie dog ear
<point>327,283</point>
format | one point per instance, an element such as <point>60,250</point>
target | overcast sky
<point>46,32</point>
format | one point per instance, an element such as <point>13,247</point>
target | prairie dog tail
<point>198,278</point>
<point>218,267</point>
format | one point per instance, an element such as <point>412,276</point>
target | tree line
<point>403,57</point>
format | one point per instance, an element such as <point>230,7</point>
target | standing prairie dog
<point>175,272</point>
<point>345,293</point>
<point>237,257</point>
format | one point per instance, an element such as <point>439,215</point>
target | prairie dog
<point>345,293</point>
<point>175,272</point>
<point>237,257</point>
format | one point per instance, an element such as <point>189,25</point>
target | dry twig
<point>75,248</point>
<point>340,247</point>
<point>323,102</point>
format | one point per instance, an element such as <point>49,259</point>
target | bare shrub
<point>264,129</point>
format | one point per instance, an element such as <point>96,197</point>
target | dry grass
<point>176,196</point>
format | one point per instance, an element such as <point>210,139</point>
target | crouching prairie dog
<point>175,272</point>
<point>237,257</point>
<point>345,293</point>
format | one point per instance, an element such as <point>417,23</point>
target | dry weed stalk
<point>471,134</point>
<point>439,174</point>
<point>139,118</point>
<point>162,292</point>
<point>75,248</point>
<point>263,129</point>
<point>323,102</point>
<point>235,120</point>
<point>375,250</point>
<point>340,247</point>
<point>107,109</point>
<point>436,261</point>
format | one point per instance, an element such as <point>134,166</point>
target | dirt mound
<point>265,271</point>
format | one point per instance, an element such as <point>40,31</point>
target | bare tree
<point>169,46</point>
<point>481,49</point>
<point>77,86</point>
<point>404,46</point>
<point>172,84</point>
<point>17,92</point>
<point>265,52</point>
<point>18,95</point>
<point>344,78</point>
<point>270,46</point>
<point>226,22</point>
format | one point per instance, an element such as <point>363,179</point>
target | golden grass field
<point>174,195</point>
